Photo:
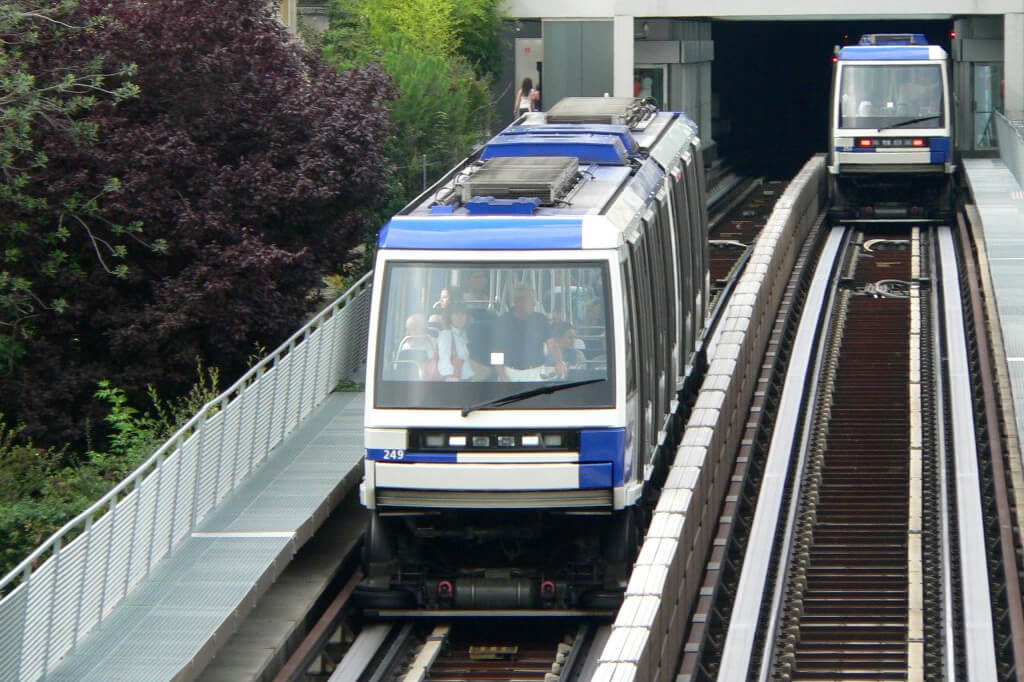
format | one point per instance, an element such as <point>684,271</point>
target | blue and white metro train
<point>891,146</point>
<point>534,318</point>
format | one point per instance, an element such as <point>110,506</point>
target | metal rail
<point>819,647</point>
<point>1014,603</point>
<point>739,643</point>
<point>979,640</point>
<point>75,579</point>
<point>709,619</point>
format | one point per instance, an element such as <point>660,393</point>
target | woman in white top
<point>526,98</point>
<point>453,345</point>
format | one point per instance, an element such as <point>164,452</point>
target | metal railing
<point>1010,138</point>
<point>75,579</point>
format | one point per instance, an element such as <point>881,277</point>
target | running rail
<point>979,640</point>
<point>75,579</point>
<point>739,642</point>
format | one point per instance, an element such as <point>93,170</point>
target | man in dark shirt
<point>522,335</point>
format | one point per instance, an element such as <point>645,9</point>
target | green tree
<point>440,54</point>
<point>479,24</point>
<point>47,93</point>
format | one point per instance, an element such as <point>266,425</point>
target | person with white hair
<point>522,337</point>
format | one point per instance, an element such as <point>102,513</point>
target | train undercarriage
<point>891,196</point>
<point>474,560</point>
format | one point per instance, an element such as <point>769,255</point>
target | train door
<point>685,256</point>
<point>698,240</point>
<point>641,276</point>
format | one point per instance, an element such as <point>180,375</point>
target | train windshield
<point>454,335</point>
<point>891,95</point>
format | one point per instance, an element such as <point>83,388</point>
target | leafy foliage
<point>41,489</point>
<point>479,34</point>
<point>429,48</point>
<point>212,202</point>
<point>47,93</point>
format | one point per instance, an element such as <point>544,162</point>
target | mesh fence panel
<point>146,516</point>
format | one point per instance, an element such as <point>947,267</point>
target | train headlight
<point>481,441</point>
<point>434,440</point>
<point>506,441</point>
<point>531,441</point>
<point>457,441</point>
<point>552,440</point>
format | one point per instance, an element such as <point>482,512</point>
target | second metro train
<point>535,315</point>
<point>891,153</point>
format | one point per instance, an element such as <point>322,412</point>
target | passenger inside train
<point>504,323</point>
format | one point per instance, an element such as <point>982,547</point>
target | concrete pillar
<point>622,55</point>
<point>289,15</point>
<point>1013,64</point>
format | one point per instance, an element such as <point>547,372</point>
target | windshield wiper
<point>522,395</point>
<point>909,121</point>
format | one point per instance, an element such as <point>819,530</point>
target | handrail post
<point>288,390</point>
<point>156,509</point>
<point>137,490</point>
<point>240,400</point>
<point>81,583</point>
<point>255,421</point>
<point>106,563</point>
<point>301,402</point>
<point>199,461</point>
<point>179,447</point>
<point>52,603</point>
<point>222,411</point>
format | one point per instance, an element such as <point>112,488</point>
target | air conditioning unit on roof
<point>546,177</point>
<point>615,110</point>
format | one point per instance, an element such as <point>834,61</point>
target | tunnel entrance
<point>771,80</point>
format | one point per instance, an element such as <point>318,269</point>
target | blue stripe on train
<point>482,233</point>
<point>886,53</point>
<point>940,149</point>
<point>604,445</point>
<point>596,475</point>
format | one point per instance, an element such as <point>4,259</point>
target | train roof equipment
<point>548,178</point>
<point>610,110</point>
<point>893,39</point>
<point>568,182</point>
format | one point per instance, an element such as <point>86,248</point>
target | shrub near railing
<point>75,579</point>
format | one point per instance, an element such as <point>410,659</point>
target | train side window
<point>681,215</point>
<point>652,244</point>
<point>701,228</point>
<point>628,321</point>
<point>635,348</point>
<point>698,234</point>
<point>642,276</point>
<point>671,300</point>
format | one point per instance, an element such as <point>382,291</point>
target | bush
<point>207,207</point>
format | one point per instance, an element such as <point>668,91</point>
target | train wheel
<point>370,598</point>
<point>378,550</point>
<point>621,546</point>
<point>602,600</point>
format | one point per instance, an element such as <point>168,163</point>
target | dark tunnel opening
<point>771,80</point>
